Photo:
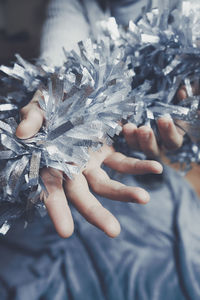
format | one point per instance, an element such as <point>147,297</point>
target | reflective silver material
<point>78,101</point>
<point>4,228</point>
<point>130,74</point>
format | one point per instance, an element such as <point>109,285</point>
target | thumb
<point>32,118</point>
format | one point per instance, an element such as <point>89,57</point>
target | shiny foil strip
<point>78,100</point>
<point>163,50</point>
<point>126,75</point>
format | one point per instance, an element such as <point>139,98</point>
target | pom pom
<point>130,74</point>
<point>163,50</point>
<point>78,101</point>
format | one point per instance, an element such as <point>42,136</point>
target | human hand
<point>143,138</point>
<point>60,188</point>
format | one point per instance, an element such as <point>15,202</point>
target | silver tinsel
<point>130,74</point>
<point>163,49</point>
<point>78,100</point>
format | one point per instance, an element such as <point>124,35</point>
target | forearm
<point>66,24</point>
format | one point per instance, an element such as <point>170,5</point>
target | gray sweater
<point>68,22</point>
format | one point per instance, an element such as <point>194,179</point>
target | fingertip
<point>19,131</point>
<point>171,136</point>
<point>129,128</point>
<point>113,228</point>
<point>141,197</point>
<point>182,94</point>
<point>63,224</point>
<point>29,127</point>
<point>147,141</point>
<point>164,123</point>
<point>25,130</point>
<point>58,209</point>
<point>157,167</point>
<point>143,129</point>
<point>30,124</point>
<point>103,219</point>
<point>62,221</point>
<point>130,133</point>
<point>64,230</point>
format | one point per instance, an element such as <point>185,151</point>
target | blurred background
<point>21,24</point>
<point>20,28</point>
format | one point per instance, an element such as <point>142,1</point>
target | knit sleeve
<point>66,24</point>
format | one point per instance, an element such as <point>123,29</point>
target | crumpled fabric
<point>155,257</point>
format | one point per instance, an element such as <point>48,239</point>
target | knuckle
<point>96,185</point>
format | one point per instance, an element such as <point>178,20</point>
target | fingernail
<point>145,197</point>
<point>158,168</point>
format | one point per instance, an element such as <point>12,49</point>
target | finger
<point>101,184</point>
<point>147,141</point>
<point>129,165</point>
<point>32,118</point>
<point>130,133</point>
<point>86,203</point>
<point>171,137</point>
<point>196,87</point>
<point>56,202</point>
<point>182,93</point>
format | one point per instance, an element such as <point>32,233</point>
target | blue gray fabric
<point>155,257</point>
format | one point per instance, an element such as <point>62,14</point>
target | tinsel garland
<point>78,100</point>
<point>130,74</point>
<point>163,49</point>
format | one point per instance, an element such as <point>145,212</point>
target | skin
<point>93,178</point>
<point>143,138</point>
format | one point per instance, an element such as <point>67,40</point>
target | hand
<point>182,92</point>
<point>143,138</point>
<point>61,188</point>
